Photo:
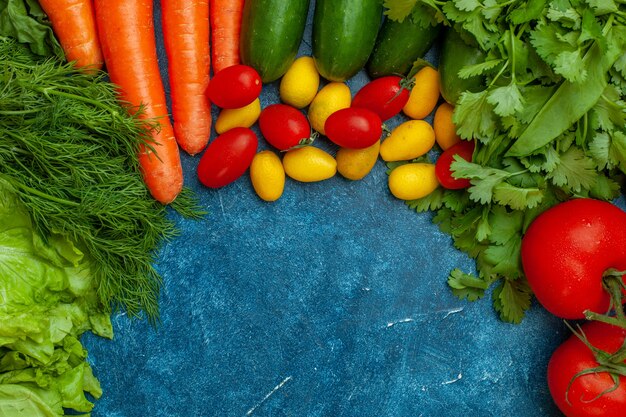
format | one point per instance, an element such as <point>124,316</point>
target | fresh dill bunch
<point>69,149</point>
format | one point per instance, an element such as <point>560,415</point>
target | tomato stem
<point>407,84</point>
<point>386,129</point>
<point>615,286</point>
<point>619,356</point>
<point>614,321</point>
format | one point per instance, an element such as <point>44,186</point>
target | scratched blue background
<point>331,301</point>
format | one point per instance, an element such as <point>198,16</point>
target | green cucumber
<point>399,44</point>
<point>344,33</point>
<point>271,32</point>
<point>454,55</point>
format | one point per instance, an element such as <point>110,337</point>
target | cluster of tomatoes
<point>574,257</point>
<point>566,251</point>
<point>354,124</point>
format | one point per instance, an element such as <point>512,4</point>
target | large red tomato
<point>566,251</point>
<point>588,395</point>
<point>228,157</point>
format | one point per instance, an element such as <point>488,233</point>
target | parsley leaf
<point>517,197</point>
<point>574,170</point>
<point>505,258</point>
<point>467,286</point>
<point>548,120</point>
<point>399,9</point>
<point>474,115</point>
<point>431,202</point>
<point>479,68</point>
<point>511,299</point>
<point>507,100</point>
<point>506,224</point>
<point>571,66</point>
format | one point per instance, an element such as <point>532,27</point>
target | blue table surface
<point>331,301</point>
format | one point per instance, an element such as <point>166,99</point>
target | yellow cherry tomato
<point>445,129</point>
<point>332,97</point>
<point>355,164</point>
<point>412,181</point>
<point>299,85</point>
<point>424,95</point>
<point>267,175</point>
<point>309,164</point>
<point>407,141</point>
<point>240,117</point>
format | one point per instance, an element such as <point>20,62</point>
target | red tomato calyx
<point>407,84</point>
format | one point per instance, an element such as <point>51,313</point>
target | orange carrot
<point>225,28</point>
<point>73,23</point>
<point>186,37</point>
<point>128,42</point>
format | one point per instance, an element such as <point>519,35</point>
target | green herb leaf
<point>507,100</point>
<point>511,299</point>
<point>574,170</point>
<point>480,68</point>
<point>431,202</point>
<point>474,115</point>
<point>517,198</point>
<point>68,146</point>
<point>25,21</point>
<point>467,286</point>
<point>399,9</point>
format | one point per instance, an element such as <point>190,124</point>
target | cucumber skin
<point>344,33</point>
<point>271,32</point>
<point>454,55</point>
<point>398,45</point>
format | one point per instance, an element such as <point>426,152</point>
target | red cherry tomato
<point>284,126</point>
<point>566,251</point>
<point>228,157</point>
<point>353,127</point>
<point>384,96</point>
<point>234,87</point>
<point>588,395</point>
<point>465,150</point>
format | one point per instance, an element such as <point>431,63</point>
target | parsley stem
<point>608,25</point>
<point>506,64</point>
<point>512,174</point>
<point>512,58</point>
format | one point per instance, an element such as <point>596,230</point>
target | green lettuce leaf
<point>25,21</point>
<point>47,300</point>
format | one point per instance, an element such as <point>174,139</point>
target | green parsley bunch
<point>549,123</point>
